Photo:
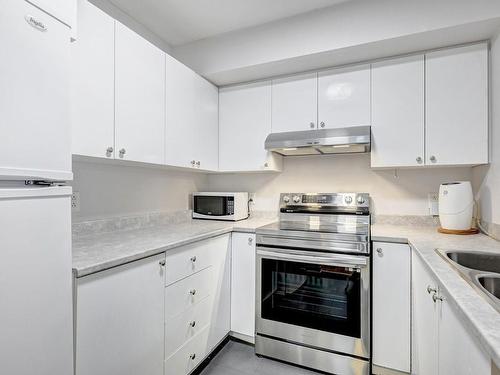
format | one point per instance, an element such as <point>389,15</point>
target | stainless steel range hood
<point>355,139</point>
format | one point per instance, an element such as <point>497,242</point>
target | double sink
<point>480,269</point>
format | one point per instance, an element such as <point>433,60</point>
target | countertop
<point>94,253</point>
<point>482,320</point>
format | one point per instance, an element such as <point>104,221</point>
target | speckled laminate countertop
<point>94,253</point>
<point>481,319</point>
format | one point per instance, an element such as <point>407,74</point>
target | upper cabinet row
<point>133,102</point>
<point>431,109</point>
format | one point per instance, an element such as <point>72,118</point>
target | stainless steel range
<point>313,283</point>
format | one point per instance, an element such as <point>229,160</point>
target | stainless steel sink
<point>485,262</point>
<point>479,269</point>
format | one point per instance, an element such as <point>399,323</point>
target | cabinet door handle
<point>419,160</point>
<point>322,124</point>
<point>380,251</point>
<point>122,152</point>
<point>192,356</point>
<point>312,125</point>
<point>192,292</point>
<point>436,298</point>
<point>192,324</point>
<point>193,259</point>
<point>250,241</point>
<point>109,151</point>
<point>193,162</point>
<point>198,163</point>
<point>431,290</point>
<point>433,159</point>
<point>162,262</point>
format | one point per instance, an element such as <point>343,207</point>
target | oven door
<point>314,298</point>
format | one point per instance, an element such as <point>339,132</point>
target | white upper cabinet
<point>344,97</point>
<point>398,112</point>
<point>92,83</point>
<point>35,141</point>
<point>244,124</point>
<point>295,103</point>
<point>63,10</point>
<point>456,88</point>
<point>139,98</point>
<point>192,118</point>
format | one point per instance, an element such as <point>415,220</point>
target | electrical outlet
<point>433,199</point>
<point>75,201</point>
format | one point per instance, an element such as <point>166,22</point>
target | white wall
<point>487,178</point>
<point>404,195</point>
<point>113,190</point>
<point>342,27</point>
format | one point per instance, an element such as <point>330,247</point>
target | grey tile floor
<point>239,359</point>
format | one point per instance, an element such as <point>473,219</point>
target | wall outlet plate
<point>433,200</point>
<point>75,201</point>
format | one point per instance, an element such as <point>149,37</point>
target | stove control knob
<point>296,199</point>
<point>361,200</point>
<point>286,199</point>
<point>348,199</point>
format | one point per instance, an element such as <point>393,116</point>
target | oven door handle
<point>341,260</point>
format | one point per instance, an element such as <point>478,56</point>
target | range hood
<point>355,139</point>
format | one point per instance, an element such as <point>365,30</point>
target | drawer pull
<point>193,323</point>
<point>192,356</point>
<point>192,292</point>
<point>193,259</point>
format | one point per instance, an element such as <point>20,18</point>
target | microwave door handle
<point>333,260</point>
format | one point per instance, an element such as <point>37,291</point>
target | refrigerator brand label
<point>39,25</point>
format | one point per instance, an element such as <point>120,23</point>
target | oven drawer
<point>184,326</point>
<point>186,293</point>
<point>190,259</point>
<point>189,356</point>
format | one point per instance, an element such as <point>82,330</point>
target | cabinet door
<point>425,320</point>
<point>92,83</point>
<point>391,306</point>
<point>35,141</point>
<point>181,115</point>
<point>398,112</point>
<point>207,124</point>
<point>244,124</point>
<point>243,284</point>
<point>456,88</point>
<point>344,97</point>
<point>139,98</point>
<point>459,353</point>
<point>295,103</point>
<point>120,320</point>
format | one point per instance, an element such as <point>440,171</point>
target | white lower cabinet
<point>441,344</point>
<point>197,306</point>
<point>391,306</point>
<point>120,320</point>
<point>243,286</point>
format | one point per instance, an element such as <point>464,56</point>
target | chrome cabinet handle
<point>431,290</point>
<point>266,165</point>
<point>380,251</point>
<point>192,324</point>
<point>436,298</point>
<point>193,162</point>
<point>192,356</point>
<point>250,241</point>
<point>122,152</point>
<point>419,160</point>
<point>162,262</point>
<point>192,292</point>
<point>312,125</point>
<point>322,124</point>
<point>193,259</point>
<point>198,163</point>
<point>433,159</point>
<point>109,151</point>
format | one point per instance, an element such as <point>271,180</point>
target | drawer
<point>184,326</point>
<point>193,258</point>
<point>184,294</point>
<point>185,360</point>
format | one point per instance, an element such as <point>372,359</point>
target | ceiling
<point>179,22</point>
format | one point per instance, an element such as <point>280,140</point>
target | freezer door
<point>36,327</point>
<point>34,94</point>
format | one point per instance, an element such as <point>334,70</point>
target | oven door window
<point>326,298</point>
<point>210,205</point>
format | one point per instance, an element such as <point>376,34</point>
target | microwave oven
<point>220,206</point>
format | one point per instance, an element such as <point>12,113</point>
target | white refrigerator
<point>36,317</point>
